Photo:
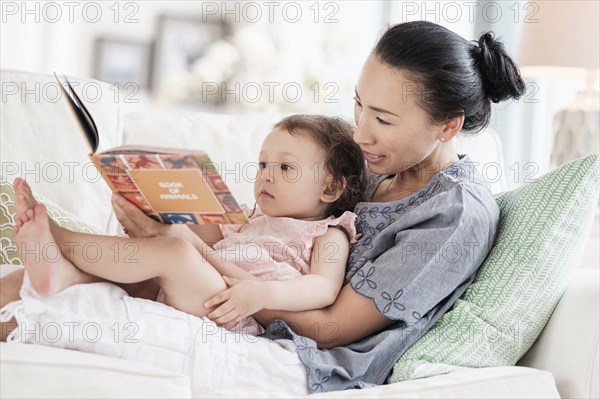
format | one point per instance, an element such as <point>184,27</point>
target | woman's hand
<point>243,298</point>
<point>135,222</point>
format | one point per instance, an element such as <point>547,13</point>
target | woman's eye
<point>382,122</point>
<point>356,102</point>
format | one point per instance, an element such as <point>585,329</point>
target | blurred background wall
<point>255,56</point>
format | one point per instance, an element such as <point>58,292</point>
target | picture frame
<point>180,42</point>
<point>121,62</point>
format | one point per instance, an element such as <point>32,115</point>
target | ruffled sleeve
<point>344,222</point>
<point>347,222</point>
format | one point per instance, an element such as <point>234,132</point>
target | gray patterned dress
<point>414,259</point>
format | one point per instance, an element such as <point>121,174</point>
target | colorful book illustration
<point>170,185</point>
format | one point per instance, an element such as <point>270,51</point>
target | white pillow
<point>42,143</point>
<point>231,141</point>
<point>485,149</point>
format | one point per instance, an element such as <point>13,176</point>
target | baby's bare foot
<point>21,203</point>
<point>29,194</point>
<point>25,200</point>
<point>48,271</point>
<point>22,208</point>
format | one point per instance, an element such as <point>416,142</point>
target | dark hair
<point>343,157</point>
<point>455,76</point>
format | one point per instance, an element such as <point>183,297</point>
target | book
<point>170,185</point>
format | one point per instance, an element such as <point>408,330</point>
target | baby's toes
<point>23,218</point>
<point>27,187</point>
<point>21,203</point>
<point>30,214</point>
<point>29,195</point>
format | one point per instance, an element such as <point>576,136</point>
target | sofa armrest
<point>568,345</point>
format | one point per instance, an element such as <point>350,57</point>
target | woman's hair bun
<point>500,75</point>
<point>457,76</point>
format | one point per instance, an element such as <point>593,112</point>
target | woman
<point>427,222</point>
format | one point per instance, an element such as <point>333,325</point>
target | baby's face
<point>291,177</point>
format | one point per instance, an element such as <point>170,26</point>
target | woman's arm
<point>350,318</point>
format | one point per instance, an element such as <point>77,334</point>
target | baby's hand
<point>243,298</point>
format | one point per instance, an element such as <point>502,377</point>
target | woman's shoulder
<point>465,184</point>
<point>456,196</point>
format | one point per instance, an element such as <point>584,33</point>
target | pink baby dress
<point>275,248</point>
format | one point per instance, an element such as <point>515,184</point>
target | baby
<point>310,174</point>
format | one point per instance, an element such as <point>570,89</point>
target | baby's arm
<point>319,288</point>
<point>316,290</point>
<point>139,225</point>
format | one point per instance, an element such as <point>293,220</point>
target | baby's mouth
<point>265,193</point>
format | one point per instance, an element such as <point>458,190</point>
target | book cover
<point>169,185</point>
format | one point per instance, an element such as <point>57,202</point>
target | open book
<point>170,185</point>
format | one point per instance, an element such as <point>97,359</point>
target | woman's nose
<point>361,134</point>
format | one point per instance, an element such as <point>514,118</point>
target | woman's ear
<point>333,189</point>
<point>452,127</point>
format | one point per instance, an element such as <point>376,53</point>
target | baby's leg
<point>47,269</point>
<point>186,278</point>
<point>25,200</point>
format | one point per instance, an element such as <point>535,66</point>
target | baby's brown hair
<point>343,157</point>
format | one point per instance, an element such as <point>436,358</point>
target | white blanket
<point>101,318</point>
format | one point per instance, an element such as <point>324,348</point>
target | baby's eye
<point>382,122</point>
<point>262,165</point>
<point>285,167</point>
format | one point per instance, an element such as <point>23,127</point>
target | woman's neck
<point>416,177</point>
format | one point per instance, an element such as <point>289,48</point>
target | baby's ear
<point>333,189</point>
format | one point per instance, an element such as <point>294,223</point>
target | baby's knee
<point>181,247</point>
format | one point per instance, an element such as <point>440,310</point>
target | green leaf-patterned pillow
<point>8,248</point>
<point>540,238</point>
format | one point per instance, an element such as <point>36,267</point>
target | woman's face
<point>392,130</point>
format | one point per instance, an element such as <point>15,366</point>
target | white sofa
<point>39,137</point>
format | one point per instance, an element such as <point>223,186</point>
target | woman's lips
<point>372,158</point>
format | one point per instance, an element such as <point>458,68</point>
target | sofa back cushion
<point>42,143</point>
<point>233,143</point>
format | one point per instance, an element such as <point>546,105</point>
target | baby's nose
<point>267,173</point>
